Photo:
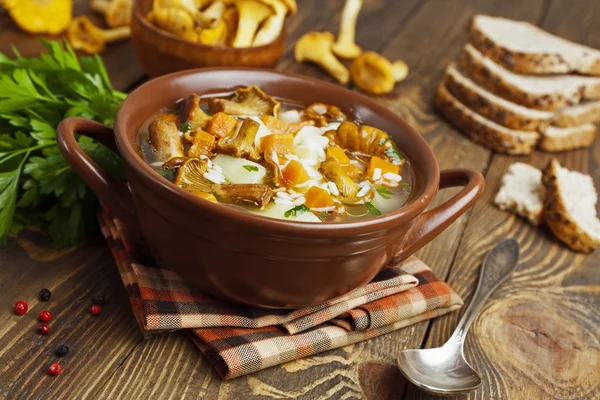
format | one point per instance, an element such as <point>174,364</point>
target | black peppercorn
<point>100,299</point>
<point>45,294</point>
<point>62,350</point>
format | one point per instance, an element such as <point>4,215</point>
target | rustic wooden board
<point>547,313</point>
<point>537,337</point>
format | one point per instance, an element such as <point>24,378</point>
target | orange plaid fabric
<point>239,339</point>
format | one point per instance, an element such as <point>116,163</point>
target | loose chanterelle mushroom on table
<point>370,72</point>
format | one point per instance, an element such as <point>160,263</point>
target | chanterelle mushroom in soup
<point>274,158</point>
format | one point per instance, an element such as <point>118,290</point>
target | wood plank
<point>98,345</point>
<point>537,337</point>
<point>367,369</point>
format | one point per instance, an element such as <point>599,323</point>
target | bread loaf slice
<point>510,141</point>
<point>577,115</point>
<point>524,48</point>
<point>562,139</point>
<point>522,192</point>
<point>499,110</point>
<point>539,92</point>
<point>570,207</point>
<point>483,130</point>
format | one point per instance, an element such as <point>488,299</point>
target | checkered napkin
<point>239,339</point>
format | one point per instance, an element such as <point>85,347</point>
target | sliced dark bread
<point>483,130</point>
<point>561,139</point>
<point>499,110</point>
<point>522,192</point>
<point>570,207</point>
<point>539,92</point>
<point>511,141</point>
<point>580,114</point>
<point>524,48</point>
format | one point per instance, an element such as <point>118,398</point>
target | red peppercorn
<point>21,307</point>
<point>95,310</point>
<point>55,369</point>
<point>45,316</point>
<point>44,329</point>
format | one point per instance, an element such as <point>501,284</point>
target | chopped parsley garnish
<point>392,152</point>
<point>372,209</point>
<point>250,168</point>
<point>404,185</point>
<point>384,192</point>
<point>296,211</point>
<point>186,126</point>
<point>394,155</point>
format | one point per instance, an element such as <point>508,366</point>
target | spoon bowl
<point>442,369</point>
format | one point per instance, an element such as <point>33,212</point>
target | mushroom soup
<point>248,150</point>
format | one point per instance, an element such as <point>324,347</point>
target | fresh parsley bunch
<point>37,186</point>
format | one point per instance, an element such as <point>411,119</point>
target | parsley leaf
<point>37,186</point>
<point>8,197</point>
<point>186,126</point>
<point>391,152</point>
<point>384,192</point>
<point>372,209</point>
<point>296,211</point>
<point>250,168</point>
<point>394,155</point>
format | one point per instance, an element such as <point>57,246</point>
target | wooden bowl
<point>160,52</point>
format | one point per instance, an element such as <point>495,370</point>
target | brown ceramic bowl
<point>160,52</point>
<point>249,258</point>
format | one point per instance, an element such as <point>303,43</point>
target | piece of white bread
<point>539,92</point>
<point>583,113</point>
<point>481,129</point>
<point>570,207</point>
<point>522,192</point>
<point>499,110</point>
<point>561,139</point>
<point>524,48</point>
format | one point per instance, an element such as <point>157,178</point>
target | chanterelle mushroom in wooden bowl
<point>174,35</point>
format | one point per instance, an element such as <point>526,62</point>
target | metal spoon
<point>444,370</point>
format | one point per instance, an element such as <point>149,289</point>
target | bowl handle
<point>112,192</point>
<point>432,222</point>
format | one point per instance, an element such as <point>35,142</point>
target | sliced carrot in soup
<point>294,174</point>
<point>221,125</point>
<point>338,154</point>
<point>280,143</point>
<point>383,165</point>
<point>204,143</point>
<point>206,196</point>
<point>317,197</point>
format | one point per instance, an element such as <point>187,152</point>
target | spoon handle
<point>497,267</point>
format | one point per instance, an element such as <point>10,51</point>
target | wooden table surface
<point>536,338</point>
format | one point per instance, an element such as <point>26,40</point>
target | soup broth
<point>250,151</point>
